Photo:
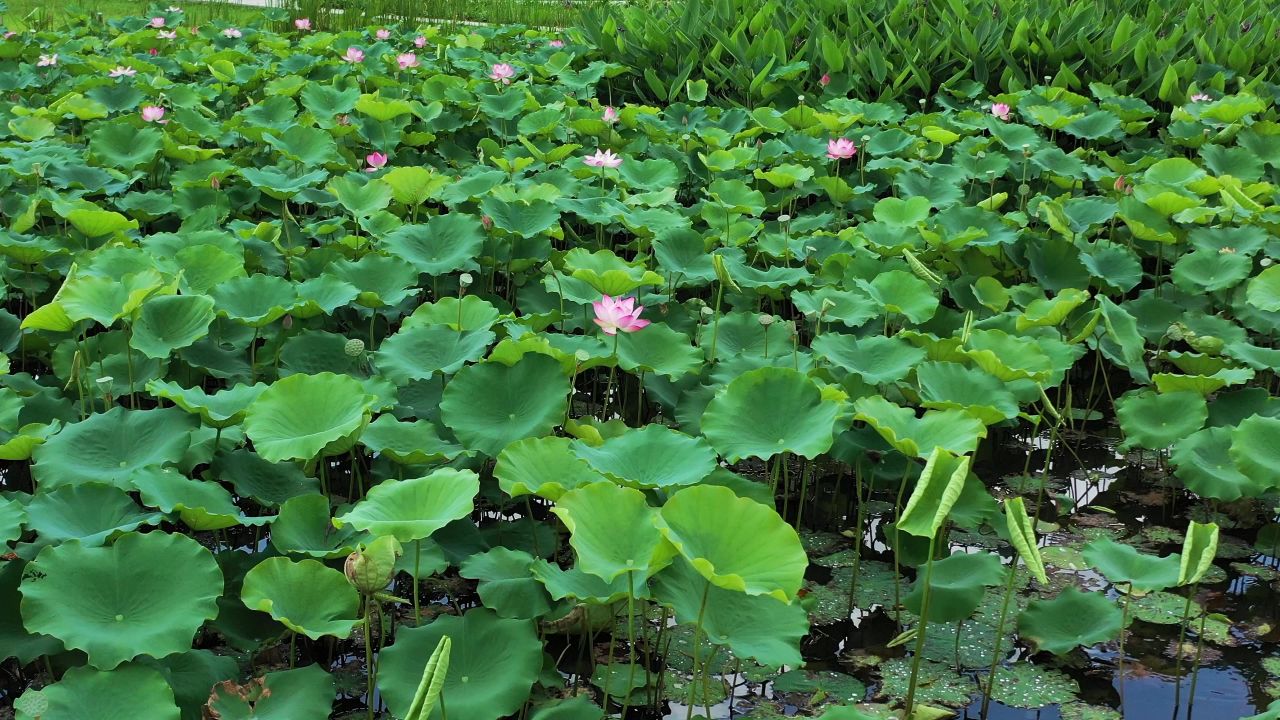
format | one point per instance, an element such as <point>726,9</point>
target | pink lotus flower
<point>382,34</point>
<point>152,113</point>
<point>841,149</point>
<point>10,34</point>
<point>1201,97</point>
<point>353,55</point>
<point>167,35</point>
<point>610,116</point>
<point>602,159</point>
<point>825,80</point>
<point>153,52</point>
<point>232,33</point>
<point>556,43</point>
<point>614,314</point>
<point>376,161</point>
<point>1000,110</point>
<point>157,22</point>
<point>303,24</point>
<point>486,221</point>
<point>407,60</point>
<point>47,60</point>
<point>420,42</point>
<point>122,71</point>
<point>502,73</point>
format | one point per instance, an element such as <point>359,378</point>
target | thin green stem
<point>921,630</point>
<point>697,630</point>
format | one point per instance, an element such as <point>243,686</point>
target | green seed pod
<point>353,348</point>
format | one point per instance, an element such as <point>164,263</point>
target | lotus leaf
<point>507,585</point>
<point>612,531</point>
<point>302,416</point>
<point>1070,620</point>
<point>491,405</point>
<point>110,447</point>
<point>92,513</point>
<point>543,466</point>
<point>651,457</point>
<point>282,695</point>
<point>764,412</point>
<point>413,509</point>
<point>306,596</point>
<point>120,694</point>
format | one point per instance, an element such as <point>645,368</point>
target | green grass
<point>44,15</point>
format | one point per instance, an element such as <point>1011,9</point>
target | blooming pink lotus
<point>602,159</point>
<point>153,52</point>
<point>407,60</point>
<point>376,161</point>
<point>157,22</point>
<point>122,71</point>
<point>610,116</point>
<point>303,24</point>
<point>825,80</point>
<point>353,55</point>
<point>841,149</point>
<point>152,113</point>
<point>232,33</point>
<point>167,35</point>
<point>382,34</point>
<point>556,43</point>
<point>614,314</point>
<point>1000,110</point>
<point>10,34</point>
<point>47,60</point>
<point>502,73</point>
<point>1201,97</point>
<point>420,42</point>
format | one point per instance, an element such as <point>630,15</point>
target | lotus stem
<point>697,630</point>
<point>608,388</point>
<point>715,324</point>
<point>921,630</point>
<point>857,547</point>
<point>608,673</point>
<point>897,572</point>
<point>1124,625</point>
<point>293,645</point>
<point>1195,671</point>
<point>995,654</point>
<point>631,641</point>
<point>368,659</point>
<point>417,582</point>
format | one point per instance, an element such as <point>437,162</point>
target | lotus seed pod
<point>707,311</point>
<point>766,320</point>
<point>784,218</point>
<point>1265,262</point>
<point>465,280</point>
<point>581,355</point>
<point>371,567</point>
<point>354,347</point>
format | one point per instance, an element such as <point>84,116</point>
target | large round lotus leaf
<point>143,595</point>
<point>1123,564</point>
<point>956,586</point>
<point>659,349</point>
<point>110,447</point>
<point>418,353</point>
<point>492,665</point>
<point>1070,620</point>
<point>446,243</point>
<point>1255,448</point>
<point>202,505</point>
<point>469,313</point>
<point>491,405</point>
<point>190,674</point>
<point>898,291</point>
<point>408,443</point>
<point>757,553</point>
<point>413,509</point>
<point>507,585</point>
<point>15,639</point>
<point>381,280</point>
<point>542,466</point>
<point>1264,290</point>
<point>1208,270</point>
<point>169,322</point>
<point>127,693</point>
<point>1204,465</point>
<point>12,516</point>
<point>255,300</point>
<point>579,585</point>
<point>877,359</point>
<point>267,483</point>
<point>612,531</point>
<point>953,430</point>
<point>769,411</point>
<point>90,512</point>
<point>307,692</point>
<point>578,708</point>
<point>307,596</point>
<point>300,416</point>
<point>304,527</point>
<point>756,626</point>
<point>219,410</point>
<point>653,456</point>
<point>945,385</point>
<point>1156,421</point>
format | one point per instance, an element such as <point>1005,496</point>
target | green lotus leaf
<point>142,595</point>
<point>125,693</point>
<point>578,584</point>
<point>408,443</point>
<point>607,273</point>
<point>578,708</point>
<point>544,466</point>
<point>413,509</point>
<point>362,197</point>
<point>105,300</point>
<point>1012,357</point>
<point>444,244</point>
<point>851,307</point>
<point>94,222</point>
<point>12,517</point>
<point>190,674</point>
<point>1263,291</point>
<point>469,313</point>
<point>1156,421</point>
<point>758,553</point>
<point>653,456</point>
<point>255,300</point>
<point>22,445</point>
<point>659,349</point>
<point>1211,270</point>
<point>281,183</point>
<point>1255,448</point>
<point>1124,564</point>
<point>612,531</point>
<point>525,218</point>
<point>202,505</point>
<point>507,585</point>
<point>302,416</point>
<point>170,322</point>
<point>898,291</point>
<point>1204,464</point>
<point>877,359</point>
<point>323,295</point>
<point>956,586</point>
<point>380,280</point>
<point>948,385</point>
<point>414,185</point>
<point>306,596</point>
<point>306,692</point>
<point>269,484</point>
<point>418,353</point>
<point>1023,685</point>
<point>936,491</point>
<point>92,513</point>
<point>952,430</point>
<point>304,145</point>
<point>304,527</point>
<point>1198,551</point>
<point>768,411</point>
<point>902,213</point>
<point>493,664</point>
<point>1022,535</point>
<point>219,410</point>
<point>491,405</point>
<point>1070,620</point>
<point>110,447</point>
<point>125,146</point>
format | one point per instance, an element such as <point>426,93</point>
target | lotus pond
<point>411,373</point>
